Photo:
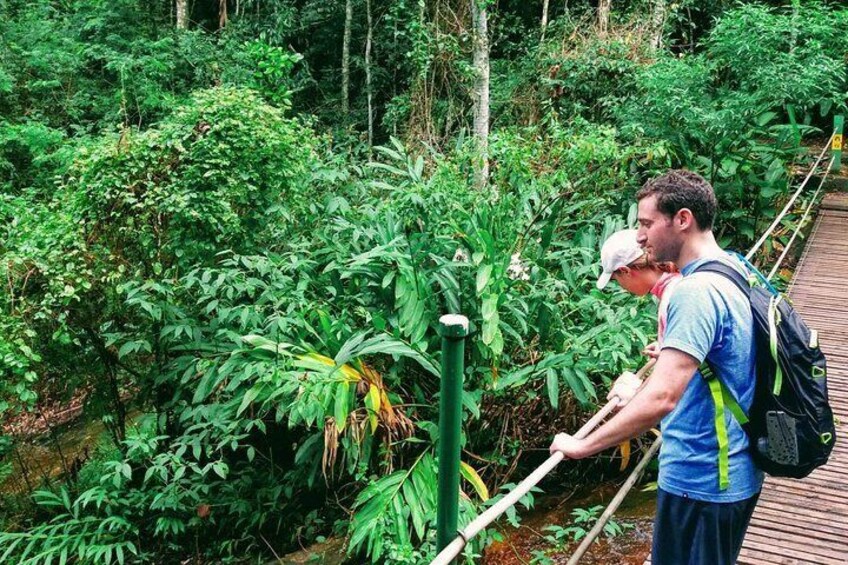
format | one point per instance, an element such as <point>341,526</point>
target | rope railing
<point>789,204</point>
<point>801,223</point>
<point>453,549</point>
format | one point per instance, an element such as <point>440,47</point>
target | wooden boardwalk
<point>806,521</point>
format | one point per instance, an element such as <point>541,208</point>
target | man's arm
<point>659,396</point>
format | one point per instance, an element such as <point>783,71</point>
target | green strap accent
<point>721,433</point>
<point>818,372</point>
<point>722,398</point>
<point>826,437</point>
<point>733,406</point>
<point>774,320</point>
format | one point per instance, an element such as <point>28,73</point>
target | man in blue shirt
<point>702,511</point>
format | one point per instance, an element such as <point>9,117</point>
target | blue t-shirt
<point>709,318</point>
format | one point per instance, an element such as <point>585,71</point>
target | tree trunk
<point>545,4</point>
<point>346,57</point>
<point>182,14</point>
<point>368,90</point>
<point>481,90</point>
<point>222,14</point>
<point>658,12</point>
<point>603,16</point>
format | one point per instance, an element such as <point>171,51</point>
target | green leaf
<point>575,385</point>
<point>410,494</point>
<point>552,382</point>
<point>265,344</point>
<point>210,380</point>
<point>483,275</point>
<point>490,306</point>
<point>389,345</point>
<point>126,349</point>
<point>249,397</point>
<point>221,469</point>
<point>497,344</point>
<point>66,500</point>
<point>340,408</point>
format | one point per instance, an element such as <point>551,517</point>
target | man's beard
<point>666,254</point>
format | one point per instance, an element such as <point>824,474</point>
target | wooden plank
<point>770,556</point>
<point>782,530</point>
<point>799,544</point>
<point>766,545</point>
<point>813,495</point>
<point>810,515</point>
<point>784,519</point>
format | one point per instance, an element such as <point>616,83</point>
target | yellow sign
<point>837,142</point>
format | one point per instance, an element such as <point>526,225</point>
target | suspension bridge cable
<point>791,201</point>
<point>801,223</point>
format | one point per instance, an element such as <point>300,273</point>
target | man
<point>702,509</point>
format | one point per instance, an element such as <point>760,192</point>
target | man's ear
<point>624,270</point>
<point>684,219</point>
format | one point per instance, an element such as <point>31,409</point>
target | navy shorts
<point>693,532</point>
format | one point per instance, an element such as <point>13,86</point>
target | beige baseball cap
<point>619,250</point>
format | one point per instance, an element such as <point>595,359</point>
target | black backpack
<point>790,424</point>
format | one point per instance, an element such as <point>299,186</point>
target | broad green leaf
<point>340,410</point>
<point>261,342</point>
<point>249,397</point>
<point>552,382</point>
<point>575,385</point>
<point>497,344</point>
<point>490,306</point>
<point>483,275</point>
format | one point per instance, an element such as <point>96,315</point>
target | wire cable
<point>801,223</point>
<point>791,201</point>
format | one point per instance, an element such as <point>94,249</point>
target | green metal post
<point>838,123</point>
<point>454,330</point>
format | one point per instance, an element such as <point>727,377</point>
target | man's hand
<point>625,388</point>
<point>570,446</point>
<point>675,370</point>
<point>652,350</point>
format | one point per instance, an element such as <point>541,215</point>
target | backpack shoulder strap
<point>721,395</point>
<point>722,399</point>
<point>727,272</point>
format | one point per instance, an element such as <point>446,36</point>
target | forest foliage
<point>245,287</point>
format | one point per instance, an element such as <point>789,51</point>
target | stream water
<point>40,457</point>
<point>528,544</point>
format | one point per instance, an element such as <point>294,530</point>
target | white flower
<point>516,270</point>
<point>460,256</point>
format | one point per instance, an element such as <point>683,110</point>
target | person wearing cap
<point>624,261</point>
<point>708,485</point>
